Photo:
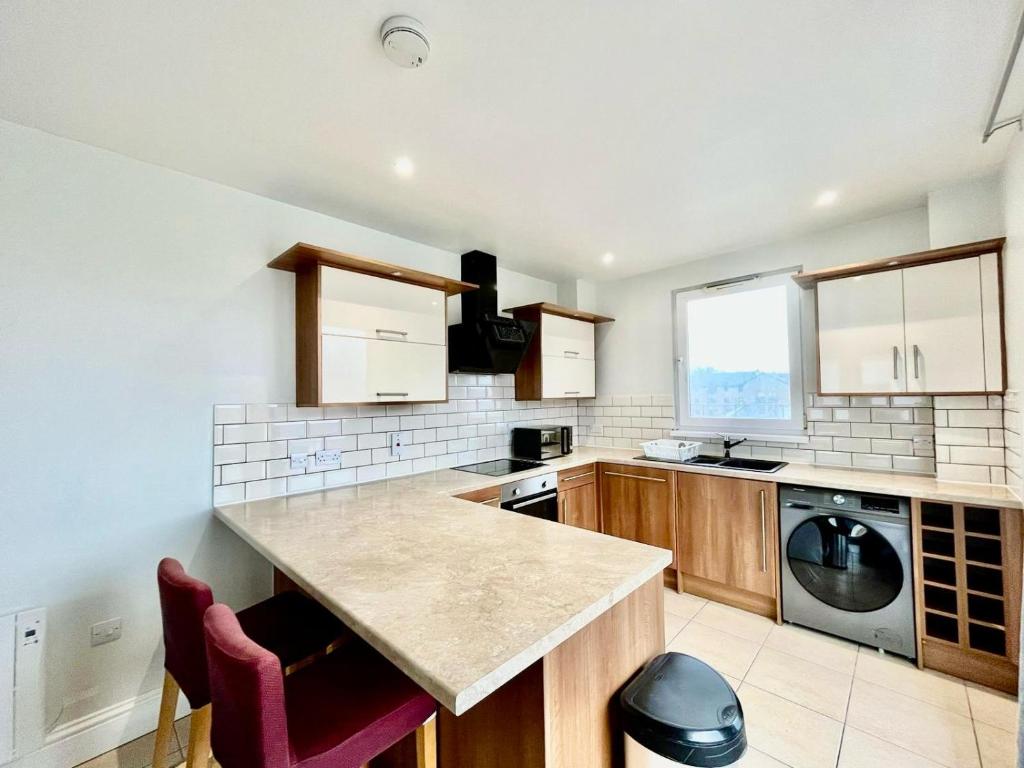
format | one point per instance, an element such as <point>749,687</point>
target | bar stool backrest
<point>183,602</point>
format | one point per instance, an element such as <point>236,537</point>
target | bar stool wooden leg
<point>426,744</point>
<point>165,725</point>
<point>198,754</point>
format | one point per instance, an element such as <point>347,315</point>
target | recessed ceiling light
<point>404,167</point>
<point>608,258</point>
<point>826,198</point>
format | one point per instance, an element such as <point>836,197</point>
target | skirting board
<point>92,735</point>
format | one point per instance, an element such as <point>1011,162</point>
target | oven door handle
<point>528,502</point>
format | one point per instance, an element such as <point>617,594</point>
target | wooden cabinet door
<point>728,531</point>
<point>578,507</point>
<point>860,334</point>
<point>945,336</point>
<point>638,503</point>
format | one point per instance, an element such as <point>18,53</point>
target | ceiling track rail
<point>992,125</point>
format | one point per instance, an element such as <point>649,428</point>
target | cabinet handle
<point>895,362</point>
<point>577,477</point>
<point>396,333</point>
<point>570,352</point>
<point>764,538</point>
<point>562,502</point>
<point>392,394</point>
<point>917,353</point>
<point>571,392</point>
<point>636,477</point>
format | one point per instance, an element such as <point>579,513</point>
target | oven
<point>533,496</point>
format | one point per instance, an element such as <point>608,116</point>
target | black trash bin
<point>678,710</point>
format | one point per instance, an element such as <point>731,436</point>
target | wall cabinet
<point>577,498</point>
<point>924,323</point>
<point>639,503</point>
<point>366,331</point>
<point>967,562</point>
<point>728,540</point>
<point>560,361</point>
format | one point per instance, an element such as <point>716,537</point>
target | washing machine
<point>846,565</point>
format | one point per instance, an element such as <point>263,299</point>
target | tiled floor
<point>813,701</point>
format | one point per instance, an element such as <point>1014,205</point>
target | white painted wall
<point>133,299</point>
<point>966,212</point>
<point>1013,262</point>
<point>635,352</point>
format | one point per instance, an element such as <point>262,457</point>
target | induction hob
<point>500,467</point>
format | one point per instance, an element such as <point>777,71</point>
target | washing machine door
<point>845,563</point>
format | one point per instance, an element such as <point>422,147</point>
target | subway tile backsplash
<point>253,442</point>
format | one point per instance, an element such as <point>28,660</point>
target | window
<point>738,357</point>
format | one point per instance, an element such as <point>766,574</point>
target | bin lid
<point>682,709</point>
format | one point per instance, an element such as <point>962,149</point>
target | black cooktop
<point>501,466</point>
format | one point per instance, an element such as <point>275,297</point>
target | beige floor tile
<point>728,654</point>
<point>998,747</point>
<point>134,754</point>
<point>788,732</point>
<point>673,626</point>
<point>743,624</point>
<point>828,651</point>
<point>898,674</point>
<point>993,707</point>
<point>934,732</point>
<point>862,750</point>
<point>754,758</point>
<point>682,604</point>
<point>181,729</point>
<point>819,688</point>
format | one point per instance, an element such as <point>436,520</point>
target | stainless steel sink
<point>745,465</point>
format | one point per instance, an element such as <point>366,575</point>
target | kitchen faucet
<point>728,445</point>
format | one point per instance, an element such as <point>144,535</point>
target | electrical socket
<point>299,460</point>
<point>924,442</point>
<point>395,441</point>
<point>105,631</point>
<point>328,458</point>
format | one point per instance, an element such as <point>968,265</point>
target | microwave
<point>543,442</point>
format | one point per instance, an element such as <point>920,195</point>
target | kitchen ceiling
<point>548,133</point>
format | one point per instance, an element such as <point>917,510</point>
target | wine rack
<point>968,590</point>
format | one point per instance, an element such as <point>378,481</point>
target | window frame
<point>753,428</point>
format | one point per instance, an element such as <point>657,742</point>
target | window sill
<point>796,438</point>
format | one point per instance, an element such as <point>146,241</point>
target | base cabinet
<point>728,540</point>
<point>967,562</point>
<point>639,503</point>
<point>577,498</point>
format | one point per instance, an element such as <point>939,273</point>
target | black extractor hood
<point>485,342</point>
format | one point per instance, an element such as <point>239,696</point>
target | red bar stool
<point>290,624</point>
<point>339,712</point>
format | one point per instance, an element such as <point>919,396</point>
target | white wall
<point>133,299</point>
<point>966,212</point>
<point>635,352</point>
<point>1013,262</point>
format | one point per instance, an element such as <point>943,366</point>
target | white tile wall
<point>1012,440</point>
<point>253,442</point>
<point>969,439</point>
<point>866,432</point>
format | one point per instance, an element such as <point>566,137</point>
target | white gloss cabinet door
<point>567,377</point>
<point>944,327</point>
<point>353,304</point>
<point>358,370</point>
<point>565,337</point>
<point>860,334</point>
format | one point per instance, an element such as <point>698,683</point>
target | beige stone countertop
<point>460,596</point>
<point>865,481</point>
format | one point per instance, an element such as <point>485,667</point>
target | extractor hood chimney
<point>485,342</point>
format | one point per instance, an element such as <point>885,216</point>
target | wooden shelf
<point>810,279</point>
<point>555,309</point>
<point>303,254</point>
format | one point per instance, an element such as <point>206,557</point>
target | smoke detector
<point>405,41</point>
